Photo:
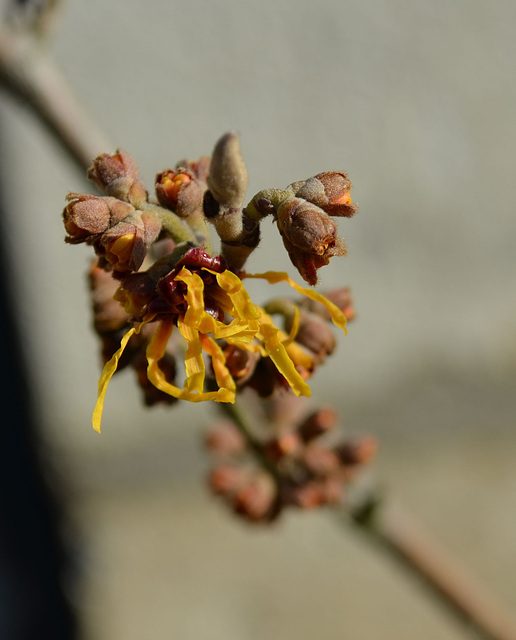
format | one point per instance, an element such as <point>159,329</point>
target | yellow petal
<point>107,373</point>
<point>278,354</point>
<point>294,329</point>
<point>194,360</point>
<point>273,277</point>
<point>155,351</point>
<point>243,307</point>
<point>222,375</point>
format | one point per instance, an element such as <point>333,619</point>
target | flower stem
<point>31,76</point>
<point>398,534</point>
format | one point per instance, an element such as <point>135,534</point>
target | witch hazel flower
<point>185,302</point>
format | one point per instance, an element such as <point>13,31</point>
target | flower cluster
<point>297,467</point>
<point>160,290</point>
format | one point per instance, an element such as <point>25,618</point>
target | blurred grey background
<point>416,101</point>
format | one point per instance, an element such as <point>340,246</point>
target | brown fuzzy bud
<point>329,191</point>
<point>118,176</point>
<point>226,478</point>
<point>200,168</point>
<point>315,334</point>
<point>287,444</point>
<point>126,244</point>
<point>227,179</point>
<point>224,438</point>
<point>332,490</point>
<point>307,496</point>
<point>179,191</point>
<point>309,235</point>
<point>357,451</point>
<point>241,363</point>
<point>318,423</point>
<point>108,315</point>
<point>86,216</point>
<point>255,500</point>
<point>320,461</point>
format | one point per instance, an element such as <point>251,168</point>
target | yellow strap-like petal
<point>107,373</point>
<point>270,336</point>
<point>273,277</point>
<point>243,307</point>
<point>155,351</point>
<point>222,375</point>
<point>194,360</point>
<point>294,329</point>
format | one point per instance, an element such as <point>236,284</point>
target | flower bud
<point>357,451</point>
<point>318,423</point>
<point>240,363</point>
<point>309,235</point>
<point>285,445</point>
<point>255,500</point>
<point>126,244</point>
<point>224,438</point>
<point>108,315</point>
<point>86,216</point>
<point>315,334</point>
<point>179,191</point>
<point>227,179</point>
<point>227,478</point>
<point>320,461</point>
<point>329,191</point>
<point>118,176</point>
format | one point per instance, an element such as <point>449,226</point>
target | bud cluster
<point>167,306</point>
<point>259,477</point>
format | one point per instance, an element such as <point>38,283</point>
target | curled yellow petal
<point>155,351</point>
<point>194,360</point>
<point>273,277</point>
<point>222,375</point>
<point>107,373</point>
<point>270,335</point>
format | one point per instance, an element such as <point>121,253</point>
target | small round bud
<point>320,461</point>
<point>357,451</point>
<point>118,176</point>
<point>240,363</point>
<point>285,445</point>
<point>126,244</point>
<point>255,500</point>
<point>224,438</point>
<point>179,191</point>
<point>108,315</point>
<point>318,423</point>
<point>309,235</point>
<point>329,191</point>
<point>227,179</point>
<point>226,478</point>
<point>86,216</point>
<point>315,334</point>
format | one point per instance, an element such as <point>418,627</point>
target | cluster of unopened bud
<point>304,212</point>
<point>259,477</point>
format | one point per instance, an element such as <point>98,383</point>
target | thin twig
<point>30,75</point>
<point>397,532</point>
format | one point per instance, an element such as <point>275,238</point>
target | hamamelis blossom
<point>209,304</point>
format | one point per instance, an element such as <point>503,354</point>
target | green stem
<point>238,416</point>
<point>176,227</point>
